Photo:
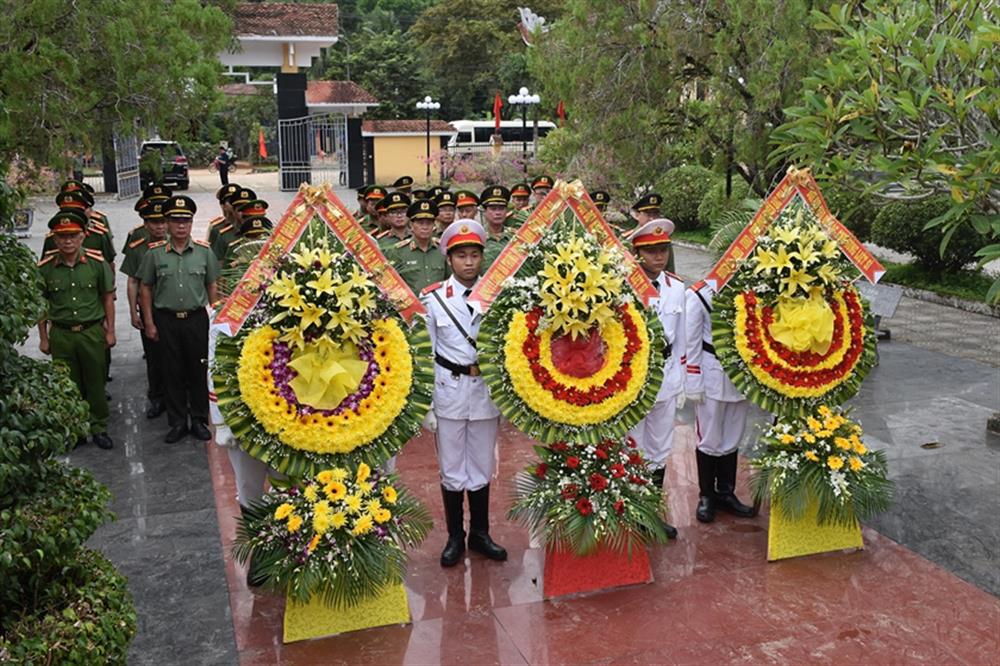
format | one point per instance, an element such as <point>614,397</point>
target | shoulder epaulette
<point>217,221</point>
<point>225,229</point>
<point>431,287</point>
<point>54,250</point>
<point>382,234</point>
<point>46,259</point>
<point>159,243</point>
<point>203,243</point>
<point>97,222</point>
<point>137,242</point>
<point>674,275</point>
<point>94,254</point>
<point>98,213</point>
<point>402,243</point>
<point>97,230</point>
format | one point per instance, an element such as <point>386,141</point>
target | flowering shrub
<point>581,496</point>
<point>821,458</point>
<point>339,535</point>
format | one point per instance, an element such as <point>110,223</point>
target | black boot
<point>479,525</point>
<point>725,486</point>
<point>706,487</point>
<point>658,474</point>
<point>255,578</point>
<point>454,517</point>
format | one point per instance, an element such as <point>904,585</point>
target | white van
<point>475,136</point>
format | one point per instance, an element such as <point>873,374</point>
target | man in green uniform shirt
<point>154,232</point>
<point>373,195</point>
<point>152,194</point>
<point>228,232</point>
<point>96,235</point>
<point>227,215</point>
<point>417,259</point>
<point>494,202</point>
<point>394,207</point>
<point>178,279</point>
<point>244,211</point>
<point>445,201</point>
<point>80,322</point>
<point>466,205</point>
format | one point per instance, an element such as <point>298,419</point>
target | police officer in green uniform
<point>244,211</point>
<point>645,210</point>
<point>241,252</point>
<point>373,195</point>
<point>466,205</point>
<point>403,184</point>
<point>540,188</point>
<point>152,194</point>
<point>95,218</point>
<point>494,202</point>
<point>227,214</point>
<point>79,324</point>
<point>445,202</point>
<point>394,207</point>
<point>178,278</point>
<point>601,200</point>
<point>228,232</point>
<point>154,232</point>
<point>417,259</point>
<point>96,236</point>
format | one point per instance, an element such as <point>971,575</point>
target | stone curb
<point>918,294</point>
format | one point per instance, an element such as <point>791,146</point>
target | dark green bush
<point>682,189</point>
<point>715,203</point>
<point>200,153</point>
<point>899,225</point>
<point>856,210</point>
<point>21,302</point>
<point>85,617</point>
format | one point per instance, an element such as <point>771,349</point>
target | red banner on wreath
<point>562,196</point>
<point>796,182</point>
<point>309,202</point>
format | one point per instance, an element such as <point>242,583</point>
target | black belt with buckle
<point>182,314</point>
<point>455,368</point>
<point>76,328</point>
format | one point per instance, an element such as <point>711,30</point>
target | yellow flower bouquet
<point>567,352</point>
<point>325,371</point>
<point>339,535</point>
<point>821,458</point>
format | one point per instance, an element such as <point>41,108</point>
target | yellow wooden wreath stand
<point>315,619</point>
<point>788,537</point>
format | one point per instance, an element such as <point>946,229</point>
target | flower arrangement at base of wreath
<point>581,497</point>
<point>790,328</point>
<point>820,458</point>
<point>324,371</point>
<point>339,536</point>
<point>567,353</point>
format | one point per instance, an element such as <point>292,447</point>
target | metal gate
<point>127,166</point>
<point>312,150</point>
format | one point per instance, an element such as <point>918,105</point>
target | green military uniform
<point>136,236</point>
<point>152,350</point>
<point>76,312</point>
<point>494,246</point>
<point>95,238</point>
<point>179,279</point>
<point>387,240</point>
<point>229,231</point>
<point>417,267</point>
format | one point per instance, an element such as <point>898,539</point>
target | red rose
<point>572,462</point>
<point>559,446</point>
<point>569,491</point>
<point>584,506</point>
<point>639,481</point>
<point>618,470</point>
<point>631,442</point>
<point>598,482</point>
<point>620,507</point>
<point>634,458</point>
<point>600,453</point>
<point>540,470</point>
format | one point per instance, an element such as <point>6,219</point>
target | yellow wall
<point>397,156</point>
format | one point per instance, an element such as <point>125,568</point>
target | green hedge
<point>899,225</point>
<point>714,204</point>
<point>21,303</point>
<point>683,189</point>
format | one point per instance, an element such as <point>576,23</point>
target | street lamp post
<point>428,105</point>
<point>523,98</point>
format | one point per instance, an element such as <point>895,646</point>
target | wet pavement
<point>714,599</point>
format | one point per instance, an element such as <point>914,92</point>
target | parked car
<point>174,162</point>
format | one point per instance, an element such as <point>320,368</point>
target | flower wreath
<point>790,329</point>
<point>325,372</point>
<point>566,353</point>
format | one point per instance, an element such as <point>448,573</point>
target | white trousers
<point>720,425</point>
<point>465,452</point>
<point>250,475</point>
<point>654,435</point>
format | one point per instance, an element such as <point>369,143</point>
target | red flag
<point>261,145</point>
<point>497,104</point>
<point>561,112</point>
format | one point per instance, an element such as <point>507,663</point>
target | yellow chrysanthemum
<point>323,506</point>
<point>373,505</point>
<point>842,443</point>
<point>321,523</point>
<point>294,522</point>
<point>382,516</point>
<point>860,449</point>
<point>389,494</point>
<point>813,424</point>
<point>338,520</point>
<point>811,455</point>
<point>353,503</point>
<point>313,543</point>
<point>365,487</point>
<point>283,511</point>
<point>325,477</point>
<point>856,464</point>
<point>787,438</point>
<point>364,471</point>
<point>809,437</point>
<point>311,492</point>
<point>834,462</point>
<point>363,525</point>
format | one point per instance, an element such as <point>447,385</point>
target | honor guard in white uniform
<point>467,420</point>
<point>720,411</point>
<point>654,435</point>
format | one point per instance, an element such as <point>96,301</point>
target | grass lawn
<point>970,285</point>
<point>700,235</point>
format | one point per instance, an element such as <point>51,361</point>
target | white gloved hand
<point>696,397</point>
<point>224,436</point>
<point>430,421</point>
<point>681,399</point>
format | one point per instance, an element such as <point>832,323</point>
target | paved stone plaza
<point>924,590</point>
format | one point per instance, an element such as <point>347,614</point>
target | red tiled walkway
<point>715,599</point>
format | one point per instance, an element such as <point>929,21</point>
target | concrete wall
<point>397,156</point>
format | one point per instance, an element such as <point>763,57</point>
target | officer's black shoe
<point>176,434</point>
<point>725,487</point>
<point>670,530</point>
<point>103,441</point>
<point>156,407</point>
<point>201,431</point>
<point>729,503</point>
<point>453,551</point>
<point>705,513</point>
<point>481,543</point>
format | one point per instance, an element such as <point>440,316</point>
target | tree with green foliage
<point>661,84</point>
<point>72,73</point>
<point>60,603</point>
<point>907,108</point>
